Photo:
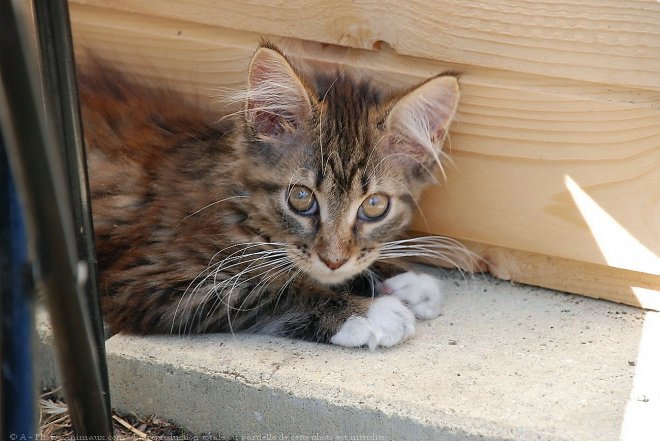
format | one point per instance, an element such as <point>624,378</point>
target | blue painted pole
<point>19,419</point>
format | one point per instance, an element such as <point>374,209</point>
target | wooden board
<point>526,148</point>
<point>622,286</point>
<point>607,41</point>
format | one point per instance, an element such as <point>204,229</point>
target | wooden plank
<point>517,140</point>
<point>597,281</point>
<point>192,41</point>
<point>606,41</point>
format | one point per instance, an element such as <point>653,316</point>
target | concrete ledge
<point>503,362</point>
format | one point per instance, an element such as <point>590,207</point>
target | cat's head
<point>333,167</point>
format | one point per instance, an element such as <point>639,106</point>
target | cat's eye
<point>302,200</point>
<point>374,207</point>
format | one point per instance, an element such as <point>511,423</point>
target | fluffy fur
<point>193,227</point>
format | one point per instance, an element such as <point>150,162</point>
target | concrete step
<point>502,362</point>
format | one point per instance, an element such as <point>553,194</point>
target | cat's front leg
<point>420,292</point>
<point>342,318</point>
<point>386,322</point>
<point>389,320</point>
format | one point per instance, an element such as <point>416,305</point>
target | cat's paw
<point>387,323</point>
<point>422,293</point>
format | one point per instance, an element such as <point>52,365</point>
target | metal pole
<point>38,172</point>
<point>58,74</point>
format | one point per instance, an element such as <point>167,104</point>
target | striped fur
<point>193,229</point>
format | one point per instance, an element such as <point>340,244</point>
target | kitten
<point>281,221</point>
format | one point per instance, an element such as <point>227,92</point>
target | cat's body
<point>278,221</point>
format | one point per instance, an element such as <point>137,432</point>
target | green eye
<point>374,207</point>
<point>302,200</point>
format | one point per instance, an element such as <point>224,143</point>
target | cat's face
<point>332,168</point>
<point>335,213</point>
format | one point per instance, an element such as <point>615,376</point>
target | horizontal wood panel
<point>598,281</point>
<point>526,205</point>
<point>517,138</point>
<point>606,41</point>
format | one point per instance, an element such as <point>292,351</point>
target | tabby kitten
<point>281,221</point>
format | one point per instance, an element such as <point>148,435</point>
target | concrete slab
<point>502,362</point>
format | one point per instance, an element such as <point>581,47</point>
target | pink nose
<point>333,264</point>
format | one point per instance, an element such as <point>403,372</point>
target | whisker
<point>264,283</point>
<point>213,269</point>
<point>235,280</point>
<point>373,281</point>
<point>457,256</point>
<point>207,206</point>
<point>283,288</point>
<point>229,307</point>
<point>268,280</point>
<point>435,247</point>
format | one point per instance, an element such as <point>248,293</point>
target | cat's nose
<point>333,264</point>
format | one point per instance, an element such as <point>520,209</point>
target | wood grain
<point>597,281</point>
<point>606,41</point>
<point>517,138</point>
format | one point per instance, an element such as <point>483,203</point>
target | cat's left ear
<point>418,122</point>
<point>277,99</point>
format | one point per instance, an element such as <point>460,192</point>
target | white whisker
<point>205,207</point>
<point>435,247</point>
<point>213,269</point>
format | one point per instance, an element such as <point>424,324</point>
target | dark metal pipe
<point>38,172</point>
<point>58,76</point>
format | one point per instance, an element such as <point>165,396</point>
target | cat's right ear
<point>277,100</point>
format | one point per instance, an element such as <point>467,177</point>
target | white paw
<point>421,293</point>
<point>387,323</point>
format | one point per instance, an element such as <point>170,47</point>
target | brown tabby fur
<point>177,196</point>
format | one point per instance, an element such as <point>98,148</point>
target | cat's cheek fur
<point>387,323</point>
<point>422,293</point>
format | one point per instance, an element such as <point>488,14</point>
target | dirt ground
<point>55,425</point>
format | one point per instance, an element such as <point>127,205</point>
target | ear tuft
<point>419,121</point>
<point>277,100</point>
